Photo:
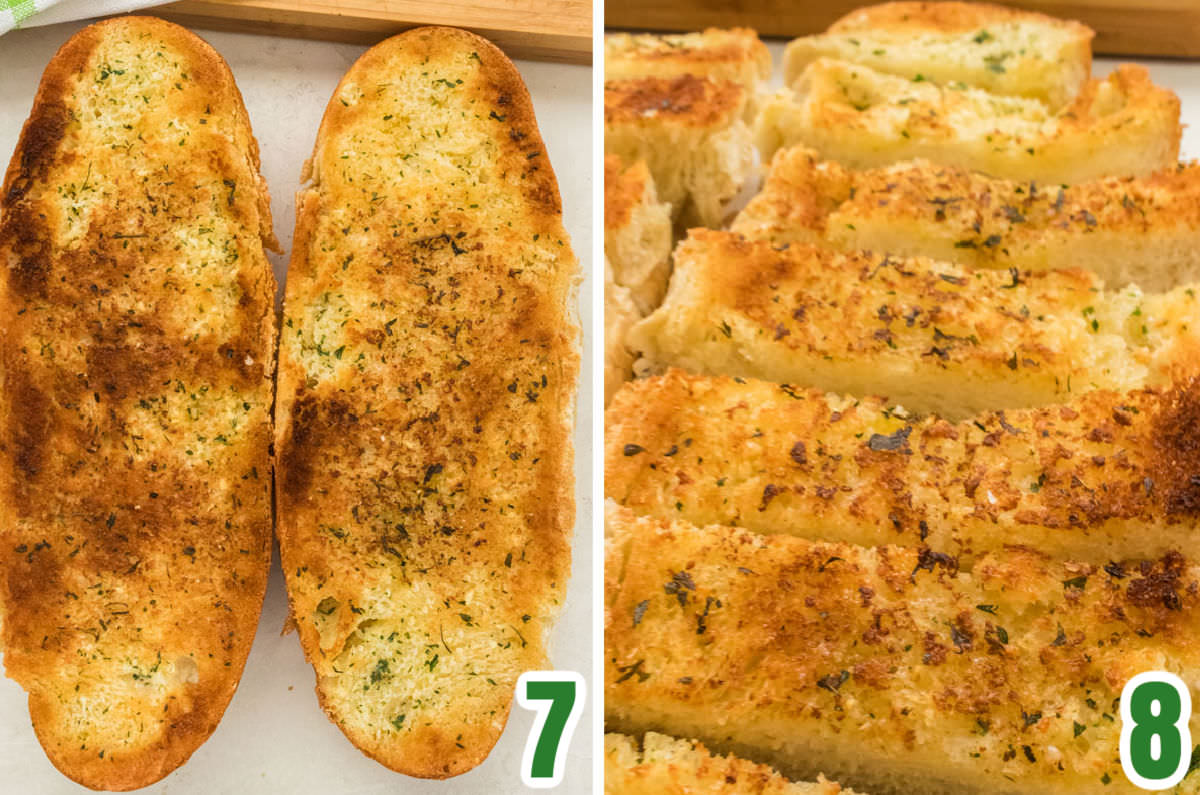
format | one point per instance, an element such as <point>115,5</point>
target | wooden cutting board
<point>1123,27</point>
<point>549,30</point>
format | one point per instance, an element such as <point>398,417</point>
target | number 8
<point>1155,709</point>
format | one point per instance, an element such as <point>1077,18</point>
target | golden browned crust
<point>1106,476</point>
<point>426,394</point>
<point>889,662</point>
<point>731,54</point>
<point>931,335</point>
<point>135,414</point>
<point>624,190</point>
<point>693,52</point>
<point>949,17</point>
<point>688,100</point>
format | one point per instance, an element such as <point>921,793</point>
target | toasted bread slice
<point>932,336</point>
<point>1104,477</point>
<point>1140,230</point>
<point>690,133</point>
<point>637,232</point>
<point>734,54</point>
<point>1123,125</point>
<point>620,313</point>
<point>427,379</point>
<point>661,765</point>
<point>888,668</point>
<point>1001,50</point>
<point>135,412</point>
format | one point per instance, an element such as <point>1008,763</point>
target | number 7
<point>557,697</point>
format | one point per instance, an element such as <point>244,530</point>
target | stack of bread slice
<point>678,149</point>
<point>909,487</point>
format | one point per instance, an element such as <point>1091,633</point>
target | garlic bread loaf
<point>1123,125</point>
<point>690,132</point>
<point>1140,230</point>
<point>136,363</point>
<point>661,765</point>
<point>1000,50</point>
<point>1106,476</point>
<point>932,336</point>
<point>890,668</point>
<point>427,374</point>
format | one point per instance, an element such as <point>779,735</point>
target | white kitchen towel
<point>27,13</point>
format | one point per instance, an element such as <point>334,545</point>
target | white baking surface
<point>274,737</point>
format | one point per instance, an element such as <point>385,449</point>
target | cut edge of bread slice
<point>656,764</point>
<point>637,232</point>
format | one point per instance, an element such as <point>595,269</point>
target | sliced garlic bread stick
<point>661,765</point>
<point>734,54</point>
<point>136,361</point>
<point>690,133</point>
<point>932,336</point>
<point>1001,50</point>
<point>426,398</point>
<point>887,667</point>
<point>1140,230</point>
<point>1107,476</point>
<point>1123,125</point>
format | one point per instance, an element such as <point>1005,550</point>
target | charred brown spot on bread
<point>1176,442</point>
<point>697,99</point>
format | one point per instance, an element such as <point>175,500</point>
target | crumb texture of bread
<point>662,765</point>
<point>889,668</point>
<point>932,336</point>
<point>637,232</point>
<point>137,360</point>
<point>1122,125</point>
<point>620,314</point>
<point>690,132</point>
<point>427,375</point>
<point>1104,477</point>
<point>734,54</point>
<point>1139,230</point>
<point>1000,50</point>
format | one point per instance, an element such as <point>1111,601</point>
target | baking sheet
<point>274,737</point>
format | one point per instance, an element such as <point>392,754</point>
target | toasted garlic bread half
<point>1106,476</point>
<point>1140,230</point>
<point>932,336</point>
<point>1001,50</point>
<point>734,54</point>
<point>1123,125</point>
<point>662,765</point>
<point>137,356</point>
<point>887,667</point>
<point>690,133</point>
<point>637,231</point>
<point>620,314</point>
<point>427,378</point>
